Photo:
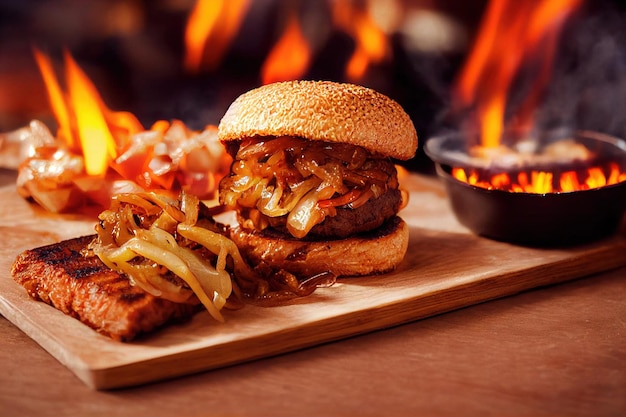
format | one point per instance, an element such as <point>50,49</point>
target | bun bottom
<point>375,252</point>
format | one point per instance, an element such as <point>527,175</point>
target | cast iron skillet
<point>552,219</point>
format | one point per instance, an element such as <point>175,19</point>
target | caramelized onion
<point>173,249</point>
<point>301,179</point>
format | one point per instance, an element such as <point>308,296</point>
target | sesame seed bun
<point>322,110</point>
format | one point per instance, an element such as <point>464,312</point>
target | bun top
<point>322,110</point>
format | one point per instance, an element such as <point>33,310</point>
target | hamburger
<point>313,181</point>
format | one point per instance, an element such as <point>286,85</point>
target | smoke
<point>588,87</point>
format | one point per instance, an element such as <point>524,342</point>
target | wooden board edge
<point>348,325</point>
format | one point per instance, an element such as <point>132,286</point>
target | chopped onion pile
<point>168,156</point>
<point>174,249</point>
<point>301,179</point>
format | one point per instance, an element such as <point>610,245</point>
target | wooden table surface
<point>559,350</point>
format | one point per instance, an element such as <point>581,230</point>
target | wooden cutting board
<point>446,268</point>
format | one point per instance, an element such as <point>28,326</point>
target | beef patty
<point>349,221</point>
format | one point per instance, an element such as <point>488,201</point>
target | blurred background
<point>188,59</point>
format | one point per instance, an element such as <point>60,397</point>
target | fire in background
<point>134,52</point>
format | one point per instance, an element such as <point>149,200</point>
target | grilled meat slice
<point>83,287</point>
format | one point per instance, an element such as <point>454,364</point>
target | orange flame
<point>213,24</point>
<point>371,41</point>
<point>211,27</point>
<point>543,182</point>
<point>57,99</point>
<point>94,136</point>
<point>289,59</point>
<point>85,123</point>
<point>509,32</point>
